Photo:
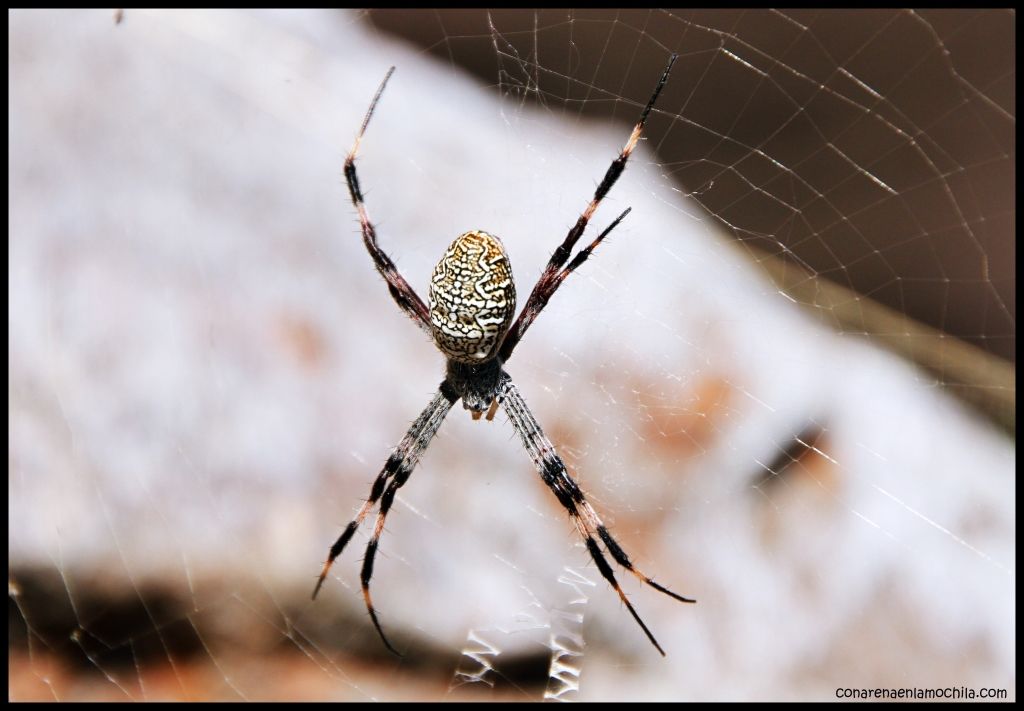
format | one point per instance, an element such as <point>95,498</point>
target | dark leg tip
<point>380,631</point>
<point>662,588</point>
<point>320,581</point>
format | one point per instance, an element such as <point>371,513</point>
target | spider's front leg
<point>395,473</point>
<point>552,470</point>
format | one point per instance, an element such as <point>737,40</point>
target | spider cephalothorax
<point>472,301</point>
<point>477,384</point>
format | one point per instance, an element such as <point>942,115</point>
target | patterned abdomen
<point>472,297</point>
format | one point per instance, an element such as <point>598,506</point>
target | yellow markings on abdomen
<point>472,297</point>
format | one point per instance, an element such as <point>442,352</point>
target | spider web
<point>784,381</point>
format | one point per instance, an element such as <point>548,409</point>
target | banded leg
<point>553,276</point>
<point>395,473</point>
<point>403,294</point>
<point>552,470</point>
<point>542,298</point>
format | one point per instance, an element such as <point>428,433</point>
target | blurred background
<point>786,381</point>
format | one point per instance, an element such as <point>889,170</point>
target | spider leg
<point>371,549</point>
<point>395,473</point>
<point>403,294</point>
<point>552,470</point>
<point>552,276</point>
<point>581,256</point>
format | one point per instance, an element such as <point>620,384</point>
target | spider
<point>472,301</point>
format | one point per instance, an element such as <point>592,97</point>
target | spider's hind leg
<point>554,274</point>
<point>403,294</point>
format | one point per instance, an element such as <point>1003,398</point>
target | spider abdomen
<point>472,297</point>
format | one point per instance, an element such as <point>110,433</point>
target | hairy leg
<point>395,473</point>
<point>552,470</point>
<point>403,294</point>
<point>553,276</point>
